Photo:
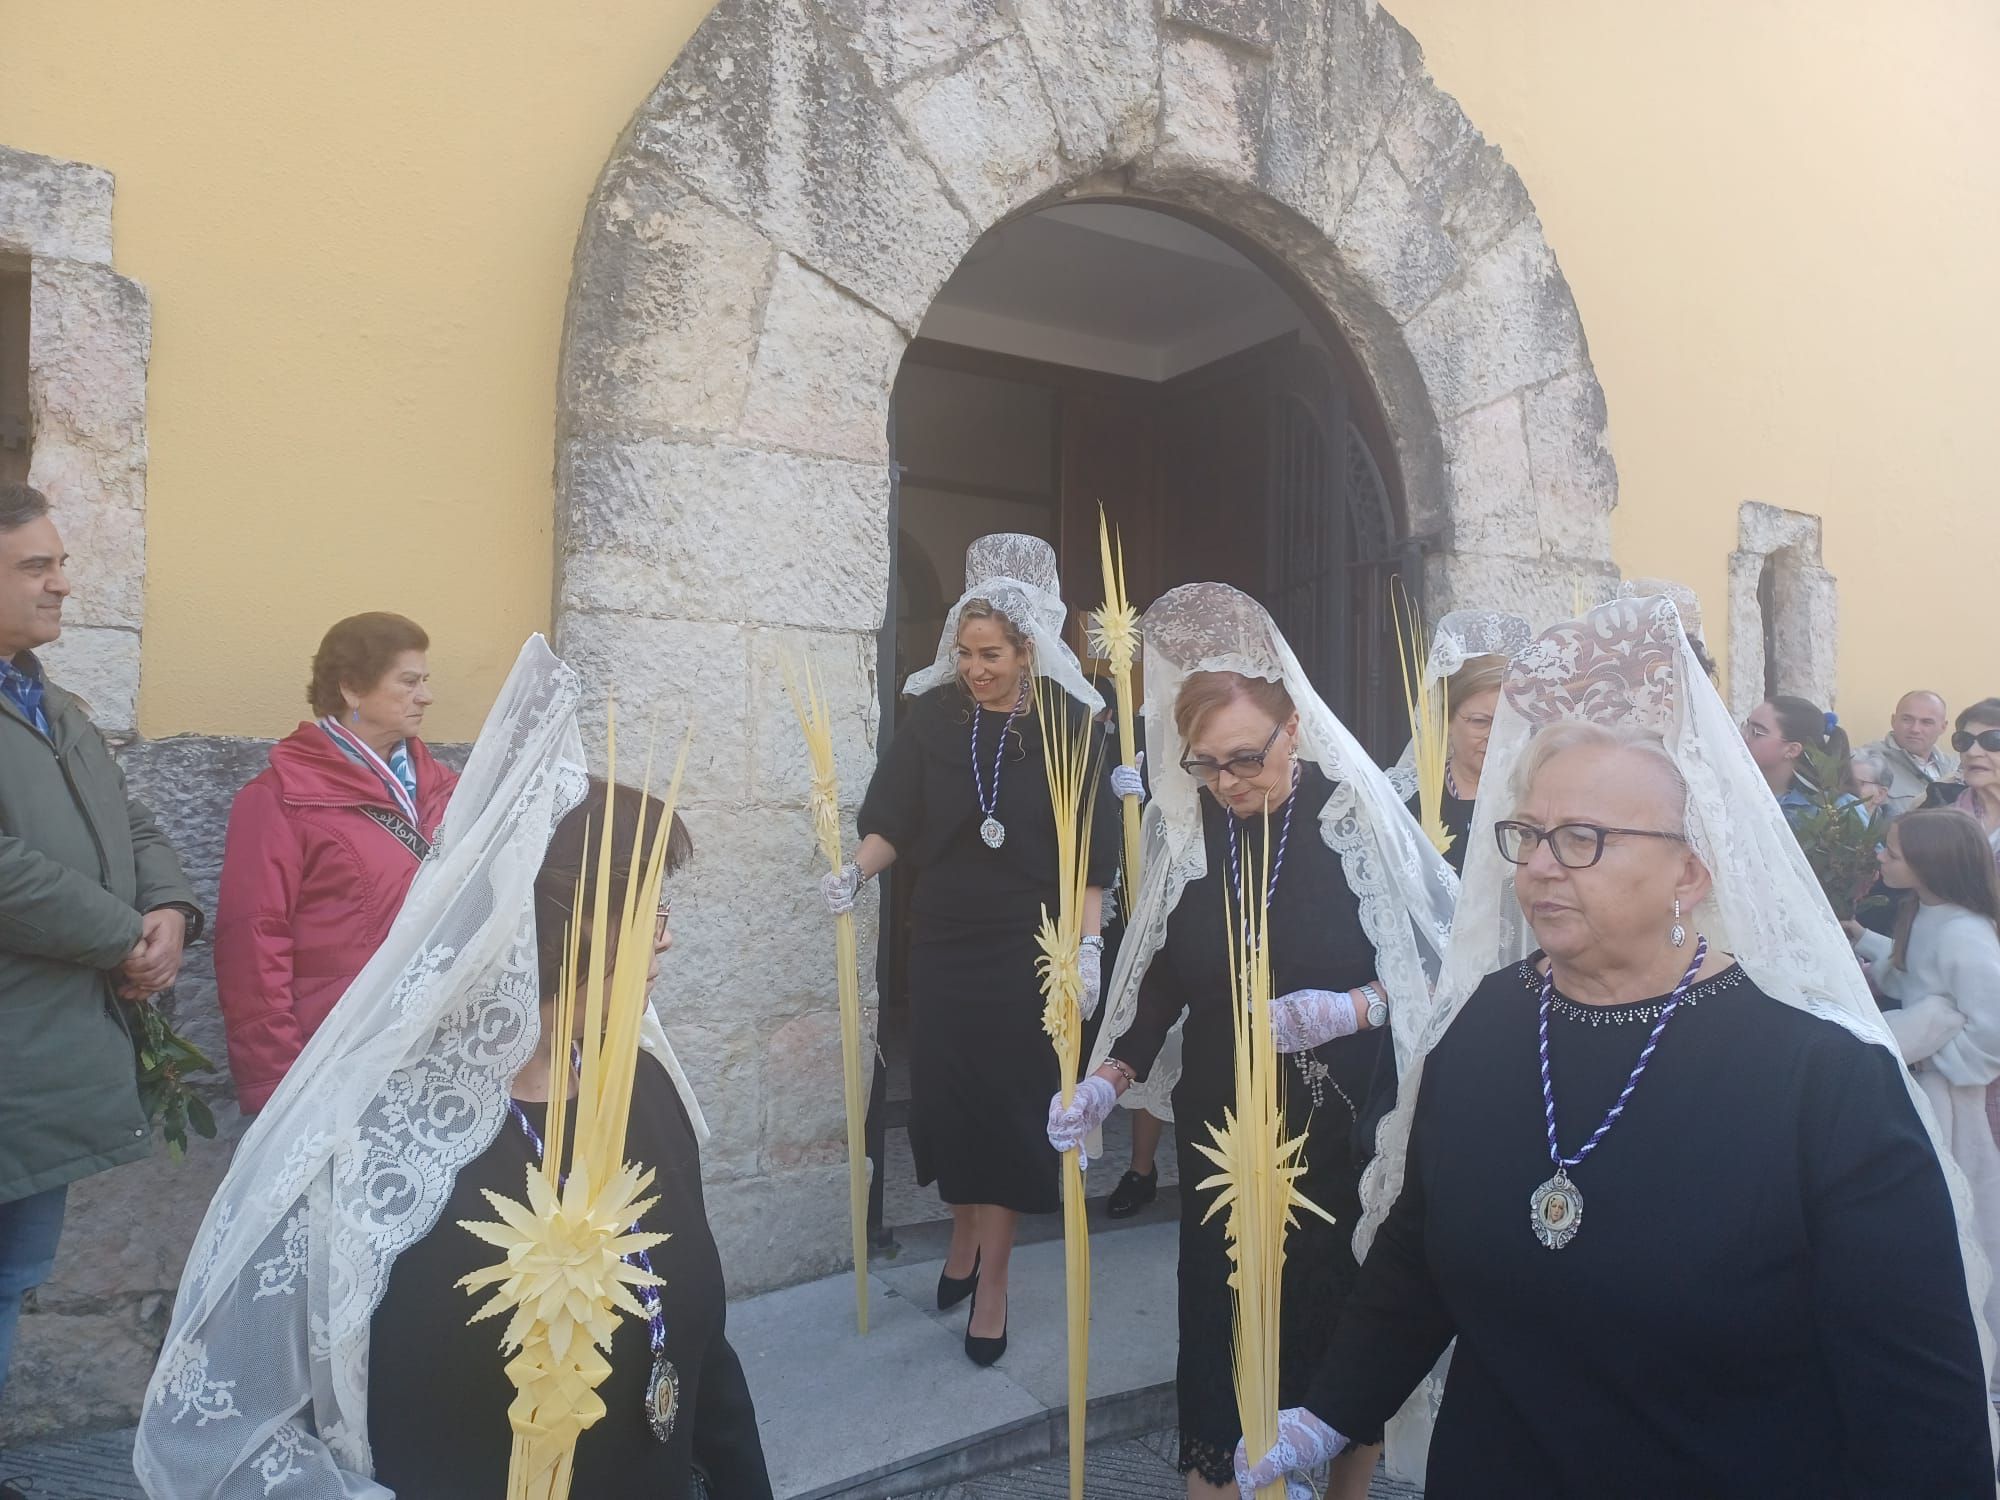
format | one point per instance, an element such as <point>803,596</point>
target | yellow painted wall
<point>1780,220</point>
<point>355,218</point>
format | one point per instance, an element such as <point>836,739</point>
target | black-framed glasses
<point>1986,739</point>
<point>1242,767</point>
<point>1576,846</point>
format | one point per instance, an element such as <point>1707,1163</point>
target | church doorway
<point>1103,353</point>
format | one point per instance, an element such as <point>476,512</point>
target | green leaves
<point>165,1059</point>
<point>1838,834</point>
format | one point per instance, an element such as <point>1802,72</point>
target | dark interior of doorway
<point>1266,467</point>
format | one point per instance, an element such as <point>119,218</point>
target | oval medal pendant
<point>663,1398</point>
<point>1556,1211</point>
<point>993,833</point>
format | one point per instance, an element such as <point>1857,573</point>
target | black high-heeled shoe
<point>953,1290</point>
<point>983,1352</point>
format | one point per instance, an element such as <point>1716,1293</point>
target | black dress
<point>1456,815</point>
<point>438,1391</point>
<point>1317,942</point>
<point>981,1067</point>
<point>1764,1296</point>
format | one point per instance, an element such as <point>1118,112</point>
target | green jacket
<point>79,862</point>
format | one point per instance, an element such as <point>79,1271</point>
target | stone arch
<point>1784,609</point>
<point>766,239</point>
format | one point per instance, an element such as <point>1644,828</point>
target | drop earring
<point>1677,935</point>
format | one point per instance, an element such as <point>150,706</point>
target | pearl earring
<point>1678,936</point>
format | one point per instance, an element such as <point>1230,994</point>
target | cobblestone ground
<point>91,1468</point>
<point>1140,1469</point>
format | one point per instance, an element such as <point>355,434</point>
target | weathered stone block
<point>1250,23</point>
<point>1486,454</point>
<point>1370,61</point>
<point>1569,454</point>
<point>82,1372</point>
<point>724,532</point>
<point>845,665</point>
<point>666,674</point>
<point>782,1228</point>
<point>663,312</point>
<point>1099,62</point>
<point>897,40</point>
<point>1390,241</point>
<point>988,129</point>
<point>1544,590</point>
<point>824,367</point>
<point>1463,181</point>
<point>129,1230</point>
<point>107,567</point>
<point>102,668</point>
<point>90,334</point>
<point>805,1110</point>
<point>724,1062</point>
<point>1508,322</point>
<point>798,146</point>
<point>1212,102</point>
<point>56,209</point>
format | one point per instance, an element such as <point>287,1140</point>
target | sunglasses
<point>1986,739</point>
<point>1242,767</point>
<point>1576,846</point>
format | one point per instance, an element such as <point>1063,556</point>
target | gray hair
<point>20,504</point>
<point>1580,734</point>
<point>1873,762</point>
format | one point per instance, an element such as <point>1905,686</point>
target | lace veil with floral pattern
<point>262,1387</point>
<point>1017,575</point>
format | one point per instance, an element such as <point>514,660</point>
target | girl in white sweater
<point>1944,967</point>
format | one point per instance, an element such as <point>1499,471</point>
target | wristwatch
<point>1378,1008</point>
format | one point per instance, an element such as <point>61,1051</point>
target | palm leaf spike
<point>1115,637</point>
<point>1258,1168</point>
<point>1430,722</point>
<point>816,726</point>
<point>1072,778</point>
<point>564,1278</point>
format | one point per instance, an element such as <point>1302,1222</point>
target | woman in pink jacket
<point>323,845</point>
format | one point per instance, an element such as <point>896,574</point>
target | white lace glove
<point>1090,964</point>
<point>1090,1106</point>
<point>838,888</point>
<point>1127,781</point>
<point>1305,1019</point>
<point>1304,1443</point>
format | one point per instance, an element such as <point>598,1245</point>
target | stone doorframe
<point>90,335</point>
<point>1805,608</point>
<point>766,239</point>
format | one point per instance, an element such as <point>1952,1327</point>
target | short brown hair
<point>1985,711</point>
<point>1205,692</point>
<point>572,860</point>
<point>357,652</point>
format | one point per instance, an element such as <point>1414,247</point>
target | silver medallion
<point>993,833</point>
<point>663,1398</point>
<point>1556,1211</point>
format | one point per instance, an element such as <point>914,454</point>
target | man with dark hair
<point>1911,750</point>
<point>94,912</point>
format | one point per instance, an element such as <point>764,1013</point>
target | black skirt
<point>981,1068</point>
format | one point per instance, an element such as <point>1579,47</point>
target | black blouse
<point>1764,1296</point>
<point>438,1391</point>
<point>923,801</point>
<point>1317,942</point>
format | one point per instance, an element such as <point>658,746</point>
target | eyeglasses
<point>660,917</point>
<point>1576,846</point>
<point>1986,739</point>
<point>1242,767</point>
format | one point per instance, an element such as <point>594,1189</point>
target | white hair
<point>1581,734</point>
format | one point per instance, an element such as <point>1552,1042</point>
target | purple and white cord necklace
<point>663,1385</point>
<point>992,830</point>
<point>1555,1210</point>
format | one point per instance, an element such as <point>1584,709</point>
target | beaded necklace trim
<point>1643,1013</point>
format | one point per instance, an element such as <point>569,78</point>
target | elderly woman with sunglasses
<point>1664,1180</point>
<point>1265,789</point>
<point>1977,741</point>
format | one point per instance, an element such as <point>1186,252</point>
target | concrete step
<point>903,1410</point>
